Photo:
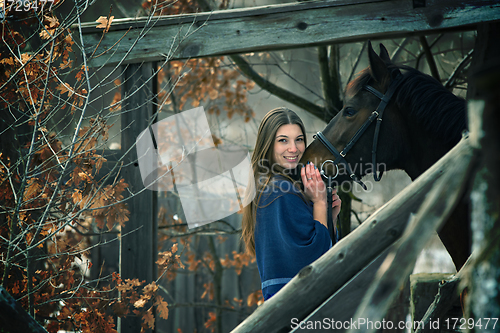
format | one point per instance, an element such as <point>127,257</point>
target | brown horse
<point>421,122</point>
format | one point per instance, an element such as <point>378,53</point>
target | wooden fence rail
<point>278,27</point>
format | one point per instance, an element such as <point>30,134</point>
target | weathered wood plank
<point>342,305</point>
<point>313,285</point>
<point>13,317</point>
<point>278,27</point>
<point>138,250</point>
<point>484,115</point>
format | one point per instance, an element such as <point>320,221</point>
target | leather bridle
<point>340,156</point>
<point>377,114</point>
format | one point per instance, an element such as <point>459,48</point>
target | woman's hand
<point>315,190</point>
<point>335,206</point>
<point>336,203</point>
<point>314,187</point>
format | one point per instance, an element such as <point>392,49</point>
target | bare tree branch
<point>458,70</point>
<point>430,58</point>
<point>286,95</point>
<point>329,91</point>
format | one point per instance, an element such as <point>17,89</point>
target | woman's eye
<point>349,112</point>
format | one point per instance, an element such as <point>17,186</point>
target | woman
<point>285,227</point>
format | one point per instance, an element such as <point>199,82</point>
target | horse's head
<point>358,113</point>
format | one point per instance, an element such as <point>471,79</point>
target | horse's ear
<point>378,68</point>
<point>384,55</point>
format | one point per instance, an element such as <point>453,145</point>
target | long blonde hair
<point>262,165</point>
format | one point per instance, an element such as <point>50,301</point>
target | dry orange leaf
<point>104,22</point>
<point>140,303</point>
<point>162,307</point>
<point>149,319</point>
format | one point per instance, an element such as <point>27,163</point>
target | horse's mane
<point>435,108</point>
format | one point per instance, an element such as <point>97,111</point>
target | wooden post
<point>138,237</point>
<point>425,289</point>
<point>445,311</point>
<point>484,121</point>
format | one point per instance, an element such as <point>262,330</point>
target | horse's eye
<point>349,112</point>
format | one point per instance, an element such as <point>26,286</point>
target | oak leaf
<point>140,303</point>
<point>162,307</point>
<point>52,21</point>
<point>210,323</point>
<point>149,319</point>
<point>104,23</point>
<point>99,220</point>
<point>149,289</point>
<point>255,298</point>
<point>33,189</point>
<point>120,309</point>
<point>65,88</point>
<point>79,75</point>
<point>77,197</point>
<point>209,291</point>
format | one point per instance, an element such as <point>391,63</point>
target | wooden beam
<point>315,283</point>
<point>13,317</point>
<point>484,118</point>
<point>277,27</point>
<point>138,249</point>
<point>342,305</point>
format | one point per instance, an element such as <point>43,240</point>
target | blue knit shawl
<point>287,238</point>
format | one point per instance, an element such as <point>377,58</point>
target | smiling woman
<point>285,225</point>
<point>289,146</point>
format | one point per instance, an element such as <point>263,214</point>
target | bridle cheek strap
<point>339,158</point>
<point>384,101</point>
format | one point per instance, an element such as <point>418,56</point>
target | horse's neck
<point>434,125</point>
<point>425,151</point>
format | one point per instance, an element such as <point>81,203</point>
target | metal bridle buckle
<point>322,171</point>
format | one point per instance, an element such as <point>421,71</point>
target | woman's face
<point>288,146</point>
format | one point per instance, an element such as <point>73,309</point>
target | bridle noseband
<point>377,114</point>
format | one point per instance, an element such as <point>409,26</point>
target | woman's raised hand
<point>314,187</point>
